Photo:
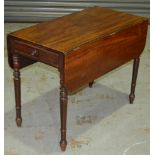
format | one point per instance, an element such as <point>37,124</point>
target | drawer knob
<point>34,53</point>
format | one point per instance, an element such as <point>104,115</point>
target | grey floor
<point>100,119</point>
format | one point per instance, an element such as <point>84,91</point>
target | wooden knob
<point>34,53</point>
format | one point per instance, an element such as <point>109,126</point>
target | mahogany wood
<point>23,61</point>
<point>63,105</point>
<point>134,78</point>
<point>17,87</point>
<point>35,53</point>
<point>67,33</point>
<point>82,46</point>
<point>94,59</point>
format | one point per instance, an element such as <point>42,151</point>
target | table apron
<point>37,54</point>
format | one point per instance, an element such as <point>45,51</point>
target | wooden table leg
<point>63,105</point>
<point>17,87</point>
<point>63,113</point>
<point>134,78</point>
<point>91,84</point>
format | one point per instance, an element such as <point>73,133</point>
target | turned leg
<point>91,84</point>
<point>134,78</point>
<point>16,75</point>
<point>63,115</point>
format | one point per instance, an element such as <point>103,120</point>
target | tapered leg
<point>91,84</point>
<point>134,78</point>
<point>63,115</point>
<point>16,75</point>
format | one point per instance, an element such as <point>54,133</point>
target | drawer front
<point>35,53</point>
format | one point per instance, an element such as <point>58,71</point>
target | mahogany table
<point>82,46</point>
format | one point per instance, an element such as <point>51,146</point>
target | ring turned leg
<point>134,78</point>
<point>63,115</point>
<point>91,84</point>
<point>16,75</point>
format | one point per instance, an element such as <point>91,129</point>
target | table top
<point>69,32</point>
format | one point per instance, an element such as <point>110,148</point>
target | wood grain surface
<point>69,32</point>
<point>94,59</point>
